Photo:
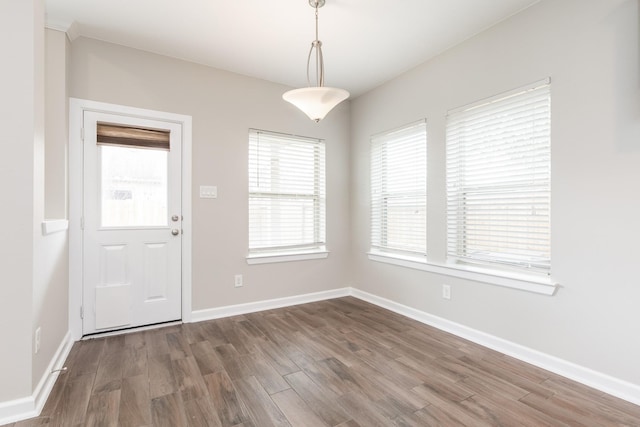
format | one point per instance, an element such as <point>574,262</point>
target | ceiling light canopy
<point>316,101</point>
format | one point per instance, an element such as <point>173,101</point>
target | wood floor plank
<point>339,363</point>
<point>559,411</point>
<point>194,332</point>
<point>308,321</point>
<point>212,332</point>
<point>487,384</point>
<point>225,399</point>
<point>436,387</point>
<point>404,397</point>
<point>402,374</point>
<point>446,412</point>
<point>491,413</point>
<point>340,352</point>
<point>258,405</point>
<point>103,409</point>
<point>134,361</point>
<point>32,422</point>
<point>352,380</point>
<point>156,340</point>
<point>320,399</point>
<point>110,368</point>
<point>259,367</point>
<point>307,341</point>
<point>277,358</point>
<point>135,340</point>
<point>168,411</point>
<point>178,346</point>
<point>161,378</point>
<point>262,321</point>
<point>188,378</point>
<point>206,357</point>
<point>135,402</point>
<point>114,344</point>
<point>201,413</point>
<point>362,410</point>
<point>494,367</point>
<point>88,357</point>
<point>526,415</point>
<point>78,391</point>
<point>296,410</point>
<point>233,364</point>
<point>233,334</point>
<point>322,374</point>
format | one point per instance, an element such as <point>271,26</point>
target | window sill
<point>535,284</point>
<point>271,257</point>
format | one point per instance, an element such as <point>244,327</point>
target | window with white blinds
<point>286,193</point>
<point>399,190</point>
<point>498,181</point>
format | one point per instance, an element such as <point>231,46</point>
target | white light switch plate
<point>208,192</point>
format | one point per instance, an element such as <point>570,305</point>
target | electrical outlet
<point>37,341</point>
<point>238,281</point>
<point>446,291</point>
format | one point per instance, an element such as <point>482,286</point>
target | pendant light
<point>316,101</point>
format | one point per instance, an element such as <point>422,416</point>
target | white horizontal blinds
<point>399,190</point>
<point>498,181</point>
<point>286,192</point>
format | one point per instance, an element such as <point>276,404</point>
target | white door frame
<point>77,107</point>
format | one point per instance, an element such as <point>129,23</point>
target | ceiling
<point>365,42</point>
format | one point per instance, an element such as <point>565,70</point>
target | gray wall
<point>33,291</point>
<point>22,123</point>
<point>224,106</point>
<point>51,264</point>
<point>589,48</point>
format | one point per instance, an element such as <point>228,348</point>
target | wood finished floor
<point>340,362</point>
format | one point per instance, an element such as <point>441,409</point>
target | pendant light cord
<point>317,45</point>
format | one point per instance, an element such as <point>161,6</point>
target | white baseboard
<point>605,383</point>
<point>28,407</point>
<point>252,307</point>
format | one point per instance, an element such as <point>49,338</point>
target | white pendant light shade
<point>316,102</point>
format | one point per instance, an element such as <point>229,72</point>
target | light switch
<point>208,192</point>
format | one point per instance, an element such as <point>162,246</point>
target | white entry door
<point>132,234</point>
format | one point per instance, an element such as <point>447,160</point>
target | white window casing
<point>286,195</point>
<point>399,191</point>
<point>498,181</point>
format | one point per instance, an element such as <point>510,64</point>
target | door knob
<point>175,231</point>
<point>175,218</point>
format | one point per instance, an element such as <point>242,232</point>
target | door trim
<point>77,107</point>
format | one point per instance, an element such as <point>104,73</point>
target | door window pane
<point>133,187</point>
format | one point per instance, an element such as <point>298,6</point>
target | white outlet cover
<point>446,291</point>
<point>37,340</point>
